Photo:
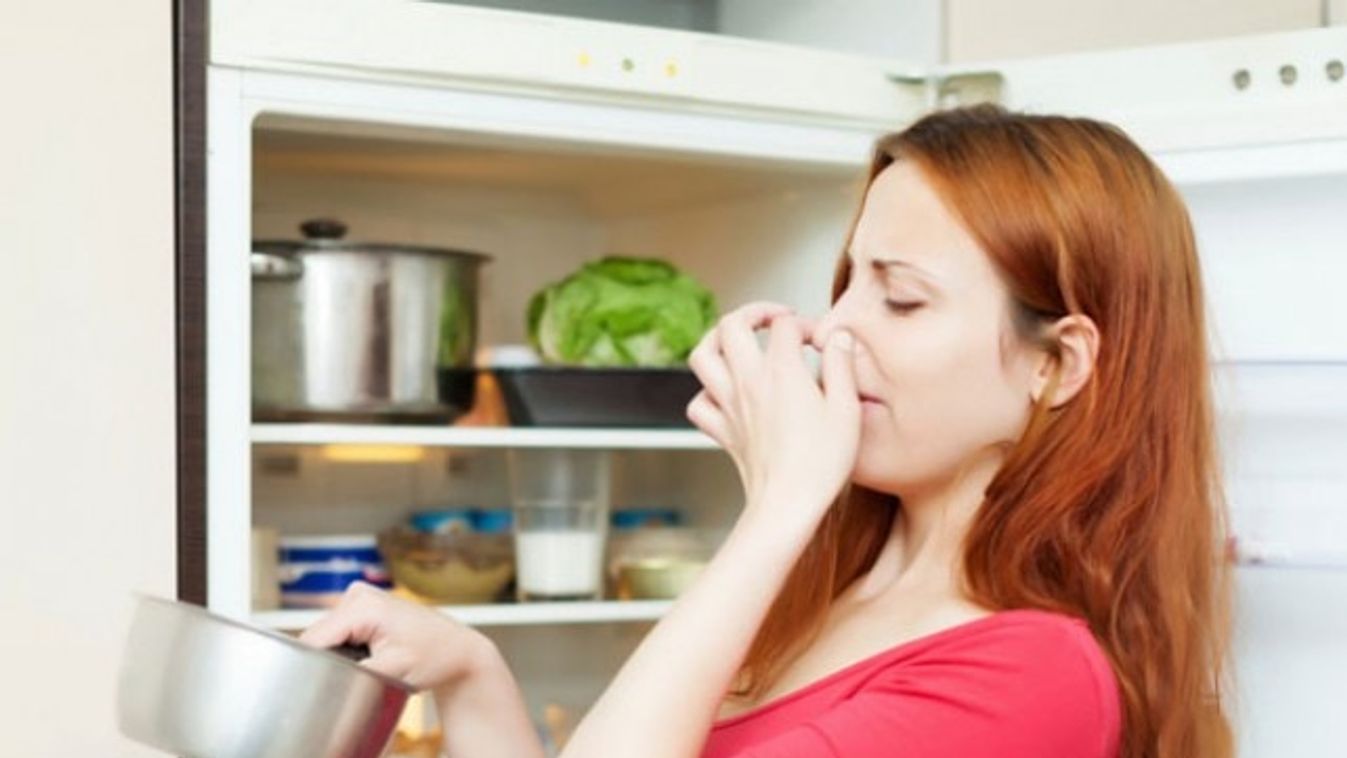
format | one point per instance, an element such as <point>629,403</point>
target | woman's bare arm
<point>665,698</point>
<point>483,715</point>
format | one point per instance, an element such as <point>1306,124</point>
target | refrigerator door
<point>1253,132</point>
<point>1242,92</point>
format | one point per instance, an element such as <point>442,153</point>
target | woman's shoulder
<point>1022,666</point>
<point>1044,646</point>
<point>1026,629</point>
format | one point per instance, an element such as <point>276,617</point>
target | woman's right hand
<point>482,711</point>
<point>410,642</point>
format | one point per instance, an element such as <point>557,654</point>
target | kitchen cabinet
<point>530,138</point>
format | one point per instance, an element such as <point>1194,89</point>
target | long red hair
<point>1110,507</point>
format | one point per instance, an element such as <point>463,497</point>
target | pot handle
<point>323,229</point>
<point>276,267</point>
<point>356,653</point>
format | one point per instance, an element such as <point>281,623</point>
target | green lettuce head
<point>620,311</point>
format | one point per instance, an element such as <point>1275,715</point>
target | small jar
<point>653,557</point>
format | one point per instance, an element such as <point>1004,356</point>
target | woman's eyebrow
<point>898,263</point>
<point>886,264</point>
<point>891,263</point>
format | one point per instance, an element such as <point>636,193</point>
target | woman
<point>994,528</point>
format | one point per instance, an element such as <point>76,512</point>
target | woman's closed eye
<point>903,306</point>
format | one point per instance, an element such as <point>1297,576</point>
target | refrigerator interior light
<point>348,453</point>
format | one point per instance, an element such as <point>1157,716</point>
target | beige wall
<point>908,30</point>
<point>86,343</point>
<point>1336,11</point>
<point>987,29</point>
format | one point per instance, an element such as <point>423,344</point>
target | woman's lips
<point>870,399</point>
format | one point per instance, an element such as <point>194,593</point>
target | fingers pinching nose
<point>841,339</point>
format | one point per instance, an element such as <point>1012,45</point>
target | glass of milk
<point>561,500</point>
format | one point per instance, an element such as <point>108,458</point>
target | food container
<point>597,397</point>
<point>316,570</point>
<point>622,525</point>
<point>266,581</point>
<point>656,578</point>
<point>457,561</point>
<point>488,407</point>
<point>561,516</point>
<point>442,521</point>
<point>419,734</point>
<point>352,331</point>
<point>651,556</point>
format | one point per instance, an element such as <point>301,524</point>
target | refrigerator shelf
<point>505,614</point>
<point>481,437</point>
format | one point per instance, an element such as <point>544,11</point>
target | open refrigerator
<point>548,141</point>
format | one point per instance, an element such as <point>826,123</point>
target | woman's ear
<point>1077,344</point>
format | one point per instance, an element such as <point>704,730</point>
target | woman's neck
<point>925,545</point>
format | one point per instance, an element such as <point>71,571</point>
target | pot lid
<point>328,234</point>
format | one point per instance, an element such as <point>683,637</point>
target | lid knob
<point>323,229</point>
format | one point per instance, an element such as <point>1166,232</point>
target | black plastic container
<point>606,397</point>
<point>457,388</point>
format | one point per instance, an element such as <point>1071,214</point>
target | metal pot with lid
<point>346,330</point>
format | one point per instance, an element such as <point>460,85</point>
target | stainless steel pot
<point>204,686</point>
<point>345,329</point>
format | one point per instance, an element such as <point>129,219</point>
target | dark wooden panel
<point>189,143</point>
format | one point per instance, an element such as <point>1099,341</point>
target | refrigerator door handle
<point>956,89</point>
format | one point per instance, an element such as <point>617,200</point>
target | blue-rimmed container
<point>492,520</point>
<point>624,519</point>
<point>463,520</point>
<point>316,570</point>
<point>443,521</point>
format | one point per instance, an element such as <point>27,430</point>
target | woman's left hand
<point>792,439</point>
<point>795,445</point>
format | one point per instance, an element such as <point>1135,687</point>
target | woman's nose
<point>845,313</point>
<point>824,327</point>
